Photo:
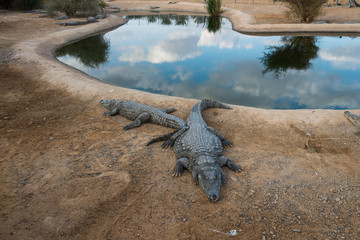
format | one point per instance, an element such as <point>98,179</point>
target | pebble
<point>234,179</point>
<point>297,230</point>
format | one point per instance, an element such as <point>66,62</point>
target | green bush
<point>306,10</point>
<point>214,7</point>
<point>71,7</point>
<point>92,51</point>
<point>214,24</point>
<point>294,53</point>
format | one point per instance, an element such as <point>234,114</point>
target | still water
<point>201,57</point>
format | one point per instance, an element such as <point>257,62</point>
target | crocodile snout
<point>213,198</point>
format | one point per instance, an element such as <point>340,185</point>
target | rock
<point>234,179</point>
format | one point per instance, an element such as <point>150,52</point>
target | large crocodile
<point>354,119</point>
<point>200,150</point>
<point>141,113</point>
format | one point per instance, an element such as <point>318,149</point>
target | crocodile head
<point>210,178</point>
<point>109,103</point>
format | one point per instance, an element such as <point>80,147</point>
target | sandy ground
<point>68,172</point>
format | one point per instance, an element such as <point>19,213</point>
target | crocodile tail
<point>160,138</point>
<point>207,103</point>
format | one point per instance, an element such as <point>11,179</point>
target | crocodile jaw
<point>109,103</point>
<point>210,181</point>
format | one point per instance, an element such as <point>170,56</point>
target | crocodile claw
<point>176,174</point>
<point>168,143</point>
<point>227,143</point>
<point>126,128</point>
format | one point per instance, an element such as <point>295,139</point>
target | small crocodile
<point>141,113</point>
<point>354,119</point>
<point>200,150</point>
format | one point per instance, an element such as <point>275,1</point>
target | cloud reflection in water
<point>184,59</point>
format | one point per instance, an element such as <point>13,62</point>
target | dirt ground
<point>69,172</point>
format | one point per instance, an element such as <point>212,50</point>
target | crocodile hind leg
<point>170,142</point>
<point>168,110</point>
<point>224,141</point>
<point>160,138</point>
<point>230,164</point>
<point>143,117</point>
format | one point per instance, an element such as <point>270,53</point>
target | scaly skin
<point>141,113</point>
<point>354,119</point>
<point>200,150</point>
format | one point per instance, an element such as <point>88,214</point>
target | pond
<point>201,57</point>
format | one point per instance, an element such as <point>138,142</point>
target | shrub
<point>294,53</point>
<point>71,7</point>
<point>214,24</point>
<point>92,51</point>
<point>214,7</point>
<point>306,10</point>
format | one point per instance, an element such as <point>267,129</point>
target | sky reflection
<point>182,58</point>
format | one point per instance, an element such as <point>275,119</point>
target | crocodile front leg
<point>112,112</point>
<point>179,166</point>
<point>225,142</point>
<point>143,117</point>
<point>230,164</point>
